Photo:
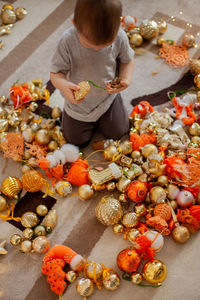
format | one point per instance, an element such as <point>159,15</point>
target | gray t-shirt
<point>82,64</point>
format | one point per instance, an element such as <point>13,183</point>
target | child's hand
<point>124,84</point>
<point>68,90</point>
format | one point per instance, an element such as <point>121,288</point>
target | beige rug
<point>26,55</point>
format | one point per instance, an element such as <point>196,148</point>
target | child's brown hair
<point>98,20</point>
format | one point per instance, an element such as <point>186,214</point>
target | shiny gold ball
<point>42,137</point>
<point>135,155</point>
<point>40,230</point>
<point>41,210</point>
<point>8,16</point>
<point>26,246</point>
<point>41,244</point>
<point>188,40</point>
<point>149,149</point>
<point>53,145</point>
<point>29,219</point>
<point>160,41</point>
<point>85,192</point>
<point>56,112</point>
<point>11,187</point>
<point>132,234</point>
<point>149,29</point>
<point>181,234</point>
<point>7,6</point>
<point>136,278</point>
<point>28,233</point>
<point>194,129</point>
<point>197,81</point>
<point>16,239</point>
<point>109,152</point>
<point>111,282</point>
<point>3,203</point>
<point>85,287</point>
<point>33,106</point>
<point>71,276</point>
<point>25,169</point>
<point>118,228</point>
<point>130,219</point>
<point>123,198</point>
<point>136,40</point>
<point>110,186</point>
<point>157,195</point>
<point>94,270</point>
<point>20,13</point>
<point>162,26</point>
<point>155,271</point>
<point>162,180</point>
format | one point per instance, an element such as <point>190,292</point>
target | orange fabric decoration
<point>190,216</point>
<point>37,150</point>
<point>46,268</point>
<point>78,173</point>
<point>158,223</point>
<point>163,210</point>
<point>142,109</point>
<point>191,117</point>
<point>143,247</point>
<point>176,55</point>
<point>56,173</point>
<point>13,145</point>
<point>44,163</point>
<point>139,141</point>
<point>142,228</point>
<point>20,95</point>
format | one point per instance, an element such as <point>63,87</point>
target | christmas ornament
<point>93,270</point>
<point>101,177</point>
<point>154,271</point>
<point>143,177</point>
<point>136,156</point>
<point>28,135</point>
<point>185,198</point>
<point>20,13</point>
<point>134,171</point>
<point>71,276</point>
<point>4,125</point>
<point>32,162</point>
<point>194,129</point>
<point>41,244</point>
<point>136,191</point>
<point>85,192</point>
<point>53,145</point>
<point>7,6</point>
<point>8,16</point>
<point>28,233</point>
<point>157,195</point>
<point>26,246</point>
<point>173,204</point>
<point>40,230</point>
<point>172,191</point>
<point>148,150</point>
<point>136,40</point>
<point>194,66</point>
<point>130,219</point>
<point>110,151</point>
<point>188,40</point>
<point>128,22</point>
<point>136,278</point>
<point>42,137</point>
<point>85,287</point>
<point>158,223</point>
<point>41,210</point>
<point>118,228</point>
<point>50,220</point>
<point>132,234</point>
<point>15,240</point>
<point>25,168</point>
<point>125,147</point>
<point>123,183</point>
<point>32,181</point>
<point>11,187</point>
<point>162,180</point>
<point>29,219</point>
<point>180,234</point>
<point>2,248</point>
<point>63,188</point>
<point>156,238</point>
<point>128,260</point>
<point>3,203</point>
<point>162,26</point>
<point>56,112</point>
<point>163,210</point>
<point>111,282</point>
<point>110,186</point>
<point>149,29</point>
<point>140,209</point>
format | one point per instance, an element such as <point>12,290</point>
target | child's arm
<point>66,87</point>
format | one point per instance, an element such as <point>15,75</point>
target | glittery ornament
<point>110,186</point>
<point>11,187</point>
<point>162,26</point>
<point>148,150</point>
<point>41,244</point>
<point>3,203</point>
<point>41,210</point>
<point>85,287</point>
<point>110,151</point>
<point>188,40</point>
<point>154,271</point>
<point>28,233</point>
<point>94,270</point>
<point>128,260</point>
<point>85,192</point>
<point>136,40</point>
<point>71,276</point>
<point>29,219</point>
<point>125,147</point>
<point>42,137</point>
<point>63,188</point>
<point>136,191</point>
<point>130,219</point>
<point>83,91</point>
<point>20,13</point>
<point>26,246</point>
<point>15,240</point>
<point>132,234</point>
<point>118,228</point>
<point>50,220</point>
<point>149,29</point>
<point>158,195</point>
<point>111,282</point>
<point>180,234</point>
<point>39,230</point>
<point>136,278</point>
<point>32,181</point>
<point>109,211</point>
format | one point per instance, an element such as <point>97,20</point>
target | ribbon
<point>48,192</point>
<point>10,214</point>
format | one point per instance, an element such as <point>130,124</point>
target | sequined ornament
<point>29,219</point>
<point>85,192</point>
<point>158,195</point>
<point>136,191</point>
<point>156,238</point>
<point>188,40</point>
<point>8,16</point>
<point>15,239</point>
<point>136,278</point>
<point>109,211</point>
<point>20,13</point>
<point>3,203</point>
<point>180,234</point>
<point>32,181</point>
<point>28,233</point>
<point>71,276</point>
<point>42,137</point>
<point>130,219</point>
<point>128,260</point>
<point>149,29</point>
<point>56,112</point>
<point>39,230</point>
<point>26,246</point>
<point>50,220</point>
<point>93,270</point>
<point>154,271</point>
<point>11,187</point>
<point>111,282</point>
<point>63,188</point>
<point>41,244</point>
<point>163,210</point>
<point>132,234</point>
<point>85,287</point>
<point>162,26</point>
<point>41,210</point>
<point>83,91</point>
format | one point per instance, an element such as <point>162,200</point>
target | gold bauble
<point>32,162</point>
<point>85,287</point>
<point>35,126</point>
<point>130,219</point>
<point>157,195</point>
<point>194,129</point>
<point>149,29</point>
<point>109,211</point>
<point>28,233</point>
<point>32,181</point>
<point>71,276</point>
<point>4,125</point>
<point>25,169</point>
<point>94,270</point>
<point>33,106</point>
<point>3,203</point>
<point>110,186</point>
<point>118,228</point>
<point>132,234</point>
<point>15,240</point>
<point>50,220</point>
<point>26,246</point>
<point>42,137</point>
<point>174,204</point>
<point>197,81</point>
<point>20,13</point>
<point>136,278</point>
<point>41,244</point>
<point>8,16</point>
<point>109,152</point>
<point>7,6</point>
<point>160,41</point>
<point>172,191</point>
<point>155,271</point>
<point>29,219</point>
<point>194,66</point>
<point>41,210</point>
<point>111,282</point>
<point>181,234</point>
<point>63,188</point>
<point>125,147</point>
<point>162,180</point>
<point>39,230</point>
<point>136,40</point>
<point>11,187</point>
<point>56,112</point>
<point>188,40</point>
<point>123,198</point>
<point>53,145</point>
<point>85,192</point>
<point>149,149</point>
<point>122,184</point>
<point>136,155</point>
<point>162,26</point>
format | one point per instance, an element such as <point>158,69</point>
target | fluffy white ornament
<point>51,160</point>
<point>59,156</point>
<point>71,152</point>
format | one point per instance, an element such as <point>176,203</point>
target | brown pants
<point>113,124</point>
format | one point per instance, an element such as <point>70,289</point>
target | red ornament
<point>128,260</point>
<point>136,191</point>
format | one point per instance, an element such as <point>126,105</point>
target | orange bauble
<point>136,191</point>
<point>128,260</point>
<point>32,181</point>
<point>78,173</point>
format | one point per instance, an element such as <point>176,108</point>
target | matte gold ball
<point>136,40</point>
<point>85,192</point>
<point>155,271</point>
<point>42,137</point>
<point>41,210</point>
<point>181,234</point>
<point>3,203</point>
<point>118,228</point>
<point>135,155</point>
<point>194,129</point>
<point>136,278</point>
<point>8,16</point>
<point>26,246</point>
<point>20,13</point>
